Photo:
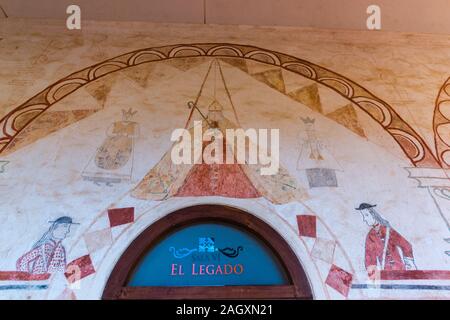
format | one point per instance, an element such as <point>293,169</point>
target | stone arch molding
<point>409,141</point>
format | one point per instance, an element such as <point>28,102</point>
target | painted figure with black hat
<point>48,254</point>
<point>386,249</point>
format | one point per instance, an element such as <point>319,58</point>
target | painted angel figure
<point>313,152</point>
<point>48,254</point>
<point>113,160</point>
<point>386,249</point>
<point>315,159</point>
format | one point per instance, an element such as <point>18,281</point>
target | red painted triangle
<point>226,180</point>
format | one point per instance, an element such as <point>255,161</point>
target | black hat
<point>67,220</point>
<point>363,206</point>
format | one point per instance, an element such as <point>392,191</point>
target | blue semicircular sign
<point>209,254</point>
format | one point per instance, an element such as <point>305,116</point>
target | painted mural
<point>361,195</point>
<point>314,157</point>
<point>386,249</point>
<point>48,254</point>
<point>113,160</point>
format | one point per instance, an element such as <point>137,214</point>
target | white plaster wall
<point>42,180</point>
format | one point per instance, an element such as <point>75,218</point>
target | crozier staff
<point>386,249</point>
<point>48,254</point>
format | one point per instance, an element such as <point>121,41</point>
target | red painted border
<point>22,276</point>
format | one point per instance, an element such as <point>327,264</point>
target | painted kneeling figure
<point>48,254</point>
<point>386,249</point>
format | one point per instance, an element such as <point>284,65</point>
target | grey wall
<point>428,16</point>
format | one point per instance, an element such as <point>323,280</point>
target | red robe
<point>47,258</point>
<point>375,246</point>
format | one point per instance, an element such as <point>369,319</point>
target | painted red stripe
<point>415,275</point>
<point>22,276</point>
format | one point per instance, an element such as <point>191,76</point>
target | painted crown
<point>128,114</point>
<point>308,120</point>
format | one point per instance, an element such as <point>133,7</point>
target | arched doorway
<point>272,270</point>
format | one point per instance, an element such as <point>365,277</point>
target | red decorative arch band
<point>409,141</point>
